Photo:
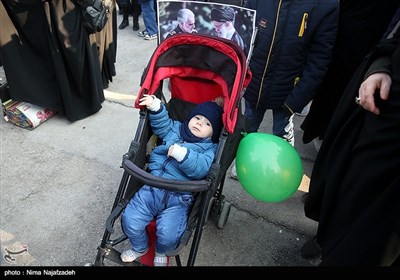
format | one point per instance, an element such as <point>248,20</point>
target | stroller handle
<point>163,183</point>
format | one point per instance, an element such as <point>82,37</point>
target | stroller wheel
<point>223,216</point>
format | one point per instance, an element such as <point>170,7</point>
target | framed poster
<point>220,20</point>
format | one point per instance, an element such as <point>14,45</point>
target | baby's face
<point>200,126</point>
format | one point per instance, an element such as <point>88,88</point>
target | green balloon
<point>268,167</point>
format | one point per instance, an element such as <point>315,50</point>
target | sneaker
<point>233,174</point>
<point>160,260</point>
<point>142,33</point>
<point>150,37</point>
<point>130,255</point>
<point>311,249</point>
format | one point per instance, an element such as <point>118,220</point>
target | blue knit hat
<point>213,112</point>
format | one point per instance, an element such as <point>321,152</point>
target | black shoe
<point>123,24</point>
<point>135,26</point>
<point>311,249</point>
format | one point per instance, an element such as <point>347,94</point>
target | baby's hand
<point>170,150</point>
<point>177,152</point>
<point>151,102</point>
<point>146,100</point>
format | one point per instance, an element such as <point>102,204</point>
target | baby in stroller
<point>187,151</point>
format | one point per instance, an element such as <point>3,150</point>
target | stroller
<point>199,68</point>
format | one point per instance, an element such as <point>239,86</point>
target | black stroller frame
<point>188,59</point>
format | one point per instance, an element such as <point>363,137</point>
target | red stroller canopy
<point>200,68</point>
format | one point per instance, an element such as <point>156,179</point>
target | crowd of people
<point>341,55</point>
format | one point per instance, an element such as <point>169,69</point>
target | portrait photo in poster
<point>220,20</point>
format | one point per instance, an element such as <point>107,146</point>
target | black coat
<point>361,26</point>
<point>292,51</point>
<point>355,184</point>
<point>50,63</point>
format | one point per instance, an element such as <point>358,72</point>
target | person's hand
<point>151,102</point>
<point>371,85</point>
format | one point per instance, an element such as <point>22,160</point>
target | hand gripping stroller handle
<point>163,183</point>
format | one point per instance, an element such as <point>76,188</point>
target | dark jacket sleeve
<point>382,55</point>
<point>318,60</point>
<point>381,64</point>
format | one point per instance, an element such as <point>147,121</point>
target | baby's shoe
<point>130,255</point>
<point>160,260</point>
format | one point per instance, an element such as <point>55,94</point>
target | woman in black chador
<point>48,58</point>
<point>355,184</point>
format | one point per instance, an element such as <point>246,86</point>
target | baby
<point>187,151</point>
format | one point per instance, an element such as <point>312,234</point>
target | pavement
<point>58,183</point>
